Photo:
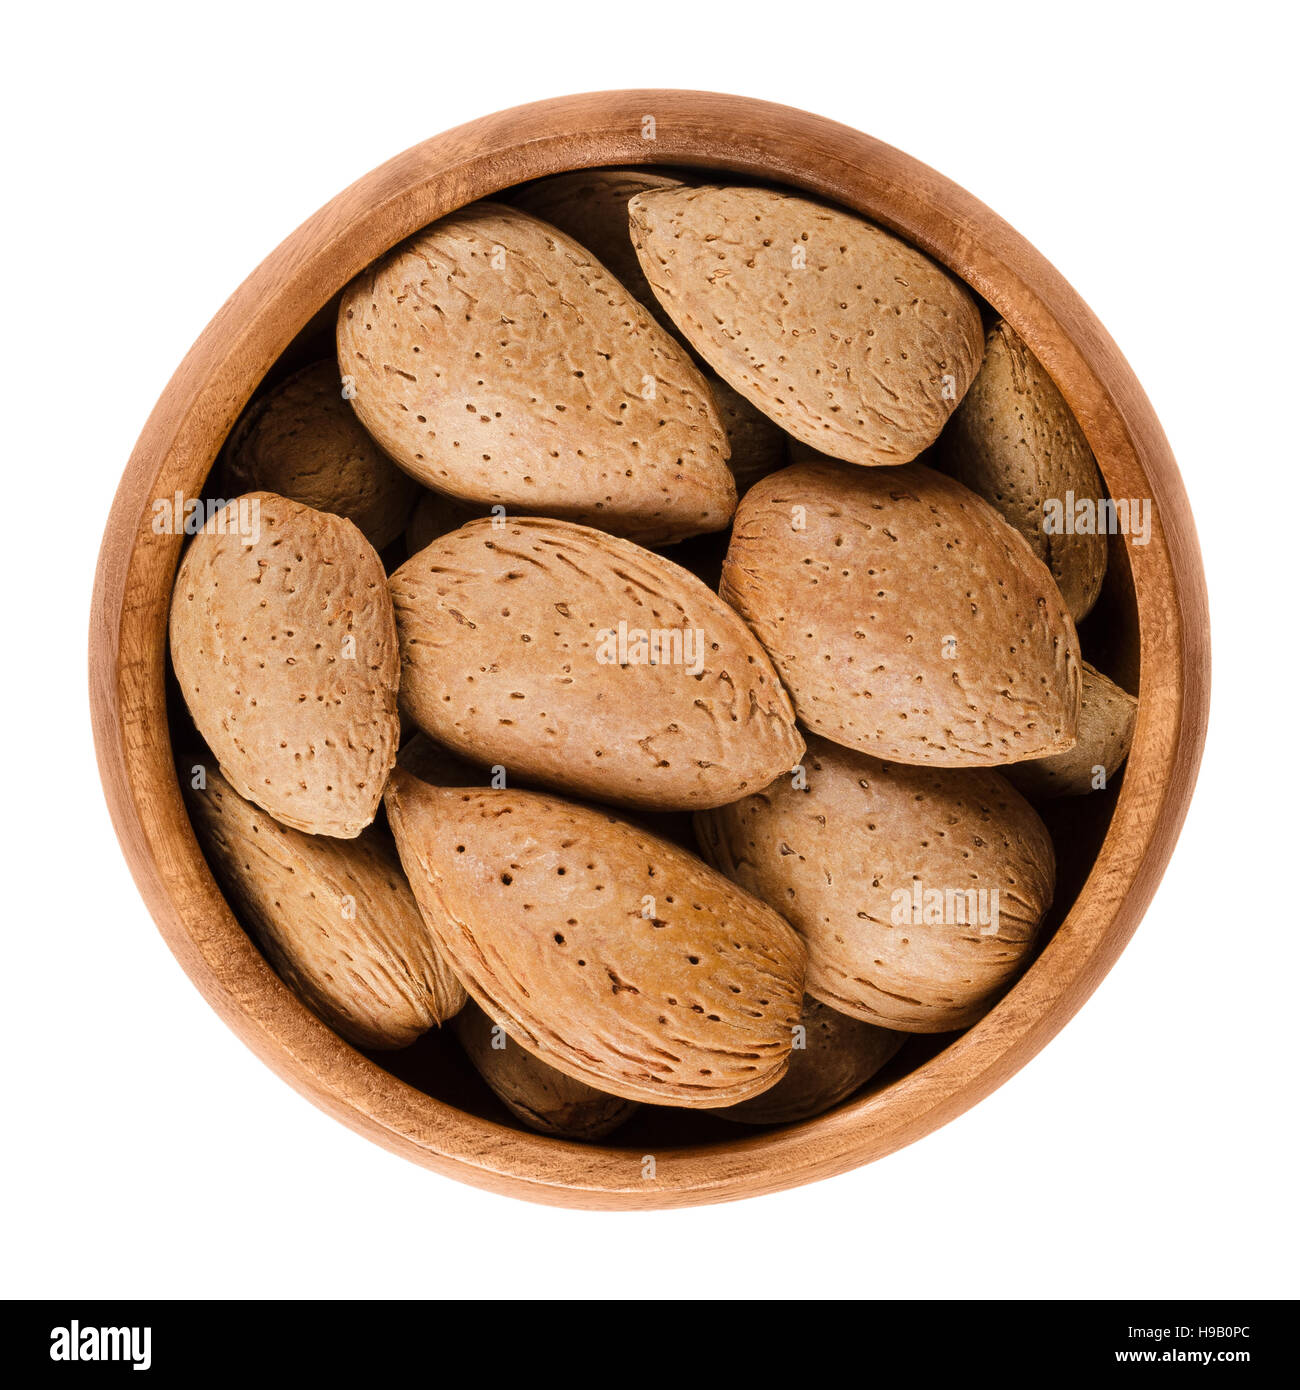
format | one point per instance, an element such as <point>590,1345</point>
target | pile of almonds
<point>611,509</point>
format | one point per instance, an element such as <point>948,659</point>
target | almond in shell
<point>586,663</point>
<point>918,891</point>
<point>1014,440</point>
<point>612,955</point>
<point>904,616</point>
<point>850,339</point>
<point>336,918</point>
<point>590,205</point>
<point>428,760</point>
<point>496,360</point>
<point>537,1095</point>
<point>834,1056</point>
<point>758,445</point>
<point>285,650</point>
<point>1107,715</point>
<point>303,441</point>
<point>434,515</point>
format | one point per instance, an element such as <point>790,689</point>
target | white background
<point>154,155</point>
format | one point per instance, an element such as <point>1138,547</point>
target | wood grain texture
<point>257,324</point>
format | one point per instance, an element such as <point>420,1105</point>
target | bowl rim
<point>216,379</point>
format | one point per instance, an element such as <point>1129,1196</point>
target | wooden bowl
<point>1151,626</point>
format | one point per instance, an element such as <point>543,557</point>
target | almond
<point>336,918</point>
<point>758,446</point>
<point>435,514</point>
<point>1015,442</point>
<point>918,891</point>
<point>850,339</point>
<point>838,1056</point>
<point>431,762</point>
<point>286,653</point>
<point>541,1097</point>
<point>302,440</point>
<point>590,205</point>
<point>528,645</point>
<point>905,617</point>
<point>496,360</point>
<point>611,954</point>
<point>1106,718</point>
<point>428,760</point>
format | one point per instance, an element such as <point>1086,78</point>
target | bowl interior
<point>436,1067</point>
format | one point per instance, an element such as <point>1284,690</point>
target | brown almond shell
<point>904,616</point>
<point>609,953</point>
<point>336,919</point>
<point>835,1055</point>
<point>849,853</point>
<point>285,650</point>
<point>1014,441</point>
<point>537,1095</point>
<point>590,205</point>
<point>758,445</point>
<point>511,655</point>
<point>434,515</point>
<point>1107,715</point>
<point>496,360</point>
<point>303,441</point>
<point>853,341</point>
